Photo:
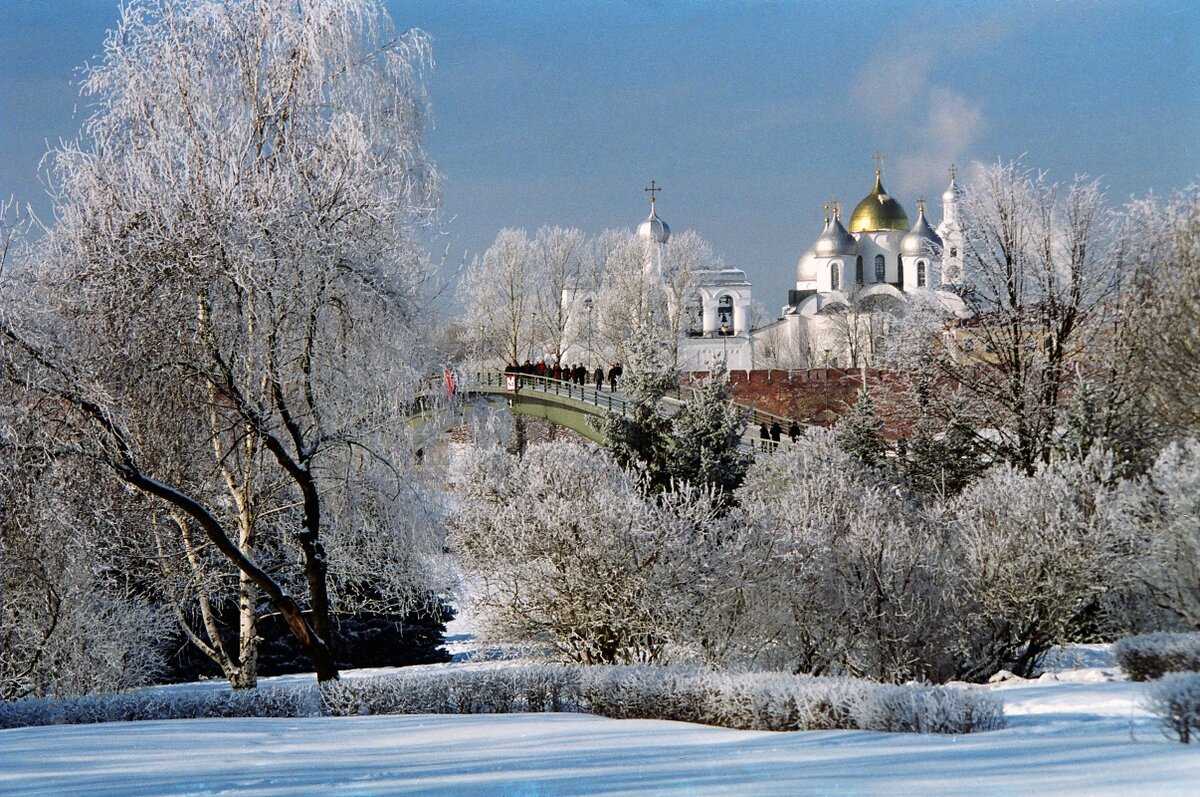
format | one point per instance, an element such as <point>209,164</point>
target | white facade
<point>847,285</point>
<point>852,276</point>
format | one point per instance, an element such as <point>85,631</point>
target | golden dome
<point>878,211</point>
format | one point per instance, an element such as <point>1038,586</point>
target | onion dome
<point>878,211</point>
<point>835,241</point>
<point>654,228</point>
<point>921,241</point>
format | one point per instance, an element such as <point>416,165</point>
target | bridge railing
<point>497,382</point>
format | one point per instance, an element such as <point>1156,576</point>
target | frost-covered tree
<point>1146,372</point>
<point>72,621</point>
<point>639,439</point>
<point>498,293</point>
<point>1163,514</point>
<point>706,435</point>
<point>861,433</point>
<point>845,582</point>
<point>565,549</point>
<point>941,462</point>
<point>517,295</point>
<point>1042,265</point>
<point>556,257</point>
<point>234,268</point>
<point>1031,553</point>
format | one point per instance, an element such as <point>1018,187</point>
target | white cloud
<point>930,126</point>
<point>952,124</point>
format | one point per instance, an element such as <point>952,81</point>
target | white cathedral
<point>847,283</point>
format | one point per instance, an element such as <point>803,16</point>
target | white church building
<point>848,284</point>
<point>855,274</point>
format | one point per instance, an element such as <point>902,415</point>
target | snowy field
<point>1077,731</point>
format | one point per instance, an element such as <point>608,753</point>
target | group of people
<point>770,435</point>
<point>577,373</point>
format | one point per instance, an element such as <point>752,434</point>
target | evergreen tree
<point>942,465</point>
<point>705,436</point>
<point>860,435</point>
<point>641,439</point>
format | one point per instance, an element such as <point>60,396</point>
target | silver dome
<point>835,241</point>
<point>654,228</point>
<point>921,241</point>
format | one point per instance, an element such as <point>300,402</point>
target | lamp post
<point>532,332</point>
<point>589,305</point>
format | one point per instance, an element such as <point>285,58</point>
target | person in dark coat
<point>776,432</point>
<point>794,431</point>
<point>612,378</point>
<point>599,378</point>
<point>764,434</point>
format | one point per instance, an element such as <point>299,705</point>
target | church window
<point>880,269</point>
<point>920,273</point>
<point>858,271</point>
<point>835,278</point>
<point>900,272</point>
<point>954,251</point>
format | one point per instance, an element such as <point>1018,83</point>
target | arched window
<point>900,272</point>
<point>835,277</point>
<point>858,271</point>
<point>725,315</point>
<point>954,251</point>
<point>880,269</point>
<point>920,273</point>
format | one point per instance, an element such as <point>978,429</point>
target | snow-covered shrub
<point>299,700</point>
<point>1164,515</point>
<point>838,576</point>
<point>928,709</point>
<point>1175,699</point>
<point>568,552</point>
<point>782,702</point>
<point>70,621</point>
<point>500,690</point>
<point>1029,552</point>
<point>1146,657</point>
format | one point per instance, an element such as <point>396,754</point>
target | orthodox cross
<point>878,162</point>
<point>653,188</point>
<point>953,172</point>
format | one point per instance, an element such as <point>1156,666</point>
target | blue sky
<point>750,114</point>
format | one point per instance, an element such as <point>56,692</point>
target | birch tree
<point>227,309</point>
<point>556,261</point>
<point>1041,264</point>
<point>497,293</point>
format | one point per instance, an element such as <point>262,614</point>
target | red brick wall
<point>822,395</point>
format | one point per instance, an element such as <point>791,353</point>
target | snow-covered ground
<point>1077,731</point>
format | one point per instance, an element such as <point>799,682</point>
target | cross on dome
<point>878,158</point>
<point>652,188</point>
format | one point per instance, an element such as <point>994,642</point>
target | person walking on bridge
<point>599,379</point>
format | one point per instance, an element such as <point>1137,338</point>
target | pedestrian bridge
<point>579,407</point>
